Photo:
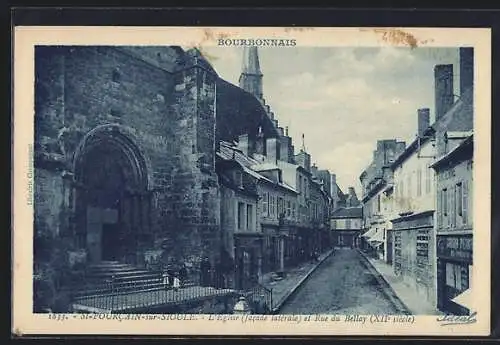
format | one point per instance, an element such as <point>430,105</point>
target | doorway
<point>113,205</point>
<point>110,244</point>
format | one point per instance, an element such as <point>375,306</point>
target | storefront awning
<point>378,236</point>
<point>369,233</point>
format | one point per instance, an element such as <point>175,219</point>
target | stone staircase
<point>113,276</point>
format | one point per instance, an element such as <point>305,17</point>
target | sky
<point>344,99</point>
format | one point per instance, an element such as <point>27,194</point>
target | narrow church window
<point>116,76</point>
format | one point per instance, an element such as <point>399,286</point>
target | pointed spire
<point>251,75</point>
<point>251,63</point>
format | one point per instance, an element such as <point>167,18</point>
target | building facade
<point>346,226</point>
<point>377,182</point>
<point>124,157</point>
<point>131,166</point>
<point>454,184</point>
<point>413,228</point>
<point>241,234</point>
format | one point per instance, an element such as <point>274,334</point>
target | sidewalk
<point>283,289</point>
<point>414,303</point>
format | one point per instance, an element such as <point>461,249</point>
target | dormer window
<point>238,178</point>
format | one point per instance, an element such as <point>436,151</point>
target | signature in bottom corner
<point>457,319</point>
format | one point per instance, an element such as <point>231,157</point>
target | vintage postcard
<point>251,181</point>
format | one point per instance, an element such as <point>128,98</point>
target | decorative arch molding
<point>122,138</point>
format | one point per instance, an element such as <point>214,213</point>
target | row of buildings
<point>276,205</point>
<point>144,156</point>
<point>417,198</point>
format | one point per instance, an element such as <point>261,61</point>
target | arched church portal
<point>113,204</point>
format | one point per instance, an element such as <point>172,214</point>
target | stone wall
<point>86,94</point>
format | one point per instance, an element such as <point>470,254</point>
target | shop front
<point>248,260</point>
<point>454,269</point>
<point>414,258</point>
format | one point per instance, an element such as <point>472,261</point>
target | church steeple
<point>251,76</point>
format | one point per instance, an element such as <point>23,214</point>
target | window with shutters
<point>250,221</point>
<point>453,207</point>
<point>419,181</point>
<point>241,215</point>
<point>458,192</point>
<point>265,204</point>
<point>465,203</point>
<point>428,180</point>
<point>444,202</point>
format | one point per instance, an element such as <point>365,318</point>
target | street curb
<point>387,289</point>
<point>299,283</point>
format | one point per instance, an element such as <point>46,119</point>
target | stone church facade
<point>125,142</point>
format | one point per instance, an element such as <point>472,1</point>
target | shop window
<point>348,223</point>
<point>457,277</point>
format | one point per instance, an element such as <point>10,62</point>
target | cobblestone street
<point>341,285</point>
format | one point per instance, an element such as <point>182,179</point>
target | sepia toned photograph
<point>256,178</point>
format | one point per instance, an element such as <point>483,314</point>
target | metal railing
<point>121,296</point>
<point>260,299</point>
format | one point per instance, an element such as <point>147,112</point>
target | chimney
<point>272,149</point>
<point>304,160</point>
<point>400,147</point>
<point>443,79</point>
<point>260,144</point>
<point>243,143</point>
<point>285,148</point>
<point>466,69</point>
<point>286,130</point>
<point>280,130</point>
<point>424,119</point>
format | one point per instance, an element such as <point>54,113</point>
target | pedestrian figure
<point>176,283</point>
<point>165,280</point>
<point>183,274</point>
<point>205,268</point>
<point>170,275</point>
